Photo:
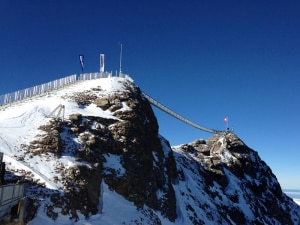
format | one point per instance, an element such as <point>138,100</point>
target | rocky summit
<point>106,163</point>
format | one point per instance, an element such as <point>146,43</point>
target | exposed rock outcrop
<point>132,137</point>
<point>243,188</point>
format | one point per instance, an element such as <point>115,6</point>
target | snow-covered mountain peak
<point>91,153</point>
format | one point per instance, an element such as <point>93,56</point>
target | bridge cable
<point>177,116</point>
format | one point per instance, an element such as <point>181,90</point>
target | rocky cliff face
<point>214,181</point>
<point>233,185</point>
<point>131,140</point>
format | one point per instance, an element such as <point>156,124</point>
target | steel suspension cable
<point>177,116</point>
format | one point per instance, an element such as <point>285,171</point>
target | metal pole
<point>120,61</point>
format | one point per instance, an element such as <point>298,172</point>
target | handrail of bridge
<point>10,193</point>
<point>177,116</point>
<point>45,88</point>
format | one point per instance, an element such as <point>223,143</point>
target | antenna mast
<point>120,73</point>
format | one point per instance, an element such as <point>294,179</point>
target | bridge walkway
<point>177,116</point>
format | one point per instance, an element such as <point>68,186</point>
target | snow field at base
<point>113,209</point>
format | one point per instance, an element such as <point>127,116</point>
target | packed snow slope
<point>99,159</point>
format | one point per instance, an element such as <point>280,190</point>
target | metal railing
<point>41,89</point>
<point>92,76</point>
<point>36,90</point>
<point>10,193</point>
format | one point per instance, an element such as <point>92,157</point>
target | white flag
<point>81,59</point>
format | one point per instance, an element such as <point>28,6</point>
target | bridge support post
<point>22,210</point>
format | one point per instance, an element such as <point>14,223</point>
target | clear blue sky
<point>203,59</point>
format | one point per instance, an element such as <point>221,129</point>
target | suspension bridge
<point>179,117</point>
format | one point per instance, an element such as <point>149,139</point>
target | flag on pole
<point>226,121</point>
<point>81,60</point>
<point>101,62</point>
